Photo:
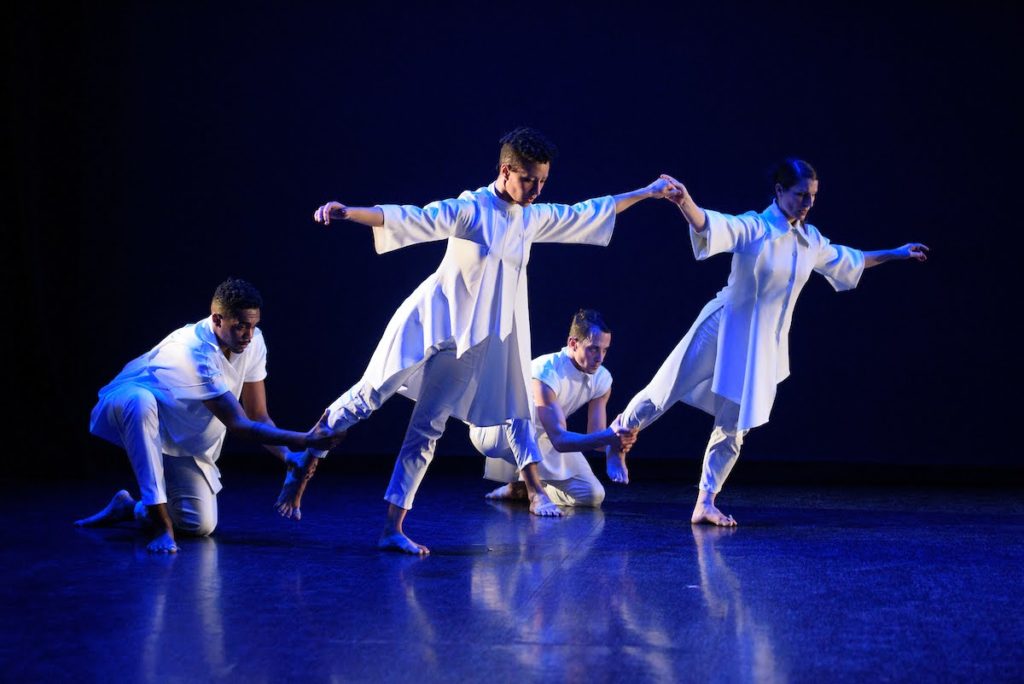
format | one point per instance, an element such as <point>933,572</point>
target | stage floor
<point>816,584</point>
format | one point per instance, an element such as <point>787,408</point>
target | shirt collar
<point>501,204</point>
<point>778,220</point>
<point>204,331</point>
<point>571,371</point>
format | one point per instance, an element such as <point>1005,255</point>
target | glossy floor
<point>817,584</point>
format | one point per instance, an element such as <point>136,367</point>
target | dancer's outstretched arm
<point>911,250</point>
<point>552,419</point>
<point>228,411</point>
<point>336,211</point>
<point>693,214</point>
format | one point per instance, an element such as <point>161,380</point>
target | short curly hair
<point>585,322</point>
<point>235,295</point>
<point>523,146</point>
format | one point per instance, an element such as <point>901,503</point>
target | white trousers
<point>581,489</point>
<point>173,480</point>
<point>685,369</point>
<point>445,380</point>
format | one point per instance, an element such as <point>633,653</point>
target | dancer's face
<point>588,354</point>
<point>523,186</point>
<point>233,333</point>
<point>797,201</point>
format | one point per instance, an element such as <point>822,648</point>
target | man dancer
<point>460,344</point>
<point>564,382</point>
<point>170,408</point>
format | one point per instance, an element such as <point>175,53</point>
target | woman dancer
<point>737,351</point>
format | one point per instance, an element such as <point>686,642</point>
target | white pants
<point>581,489</point>
<point>173,480</point>
<point>445,380</point>
<point>685,369</point>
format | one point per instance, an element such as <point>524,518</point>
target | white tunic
<point>478,295</point>
<point>771,262</point>
<point>573,389</point>
<point>185,369</point>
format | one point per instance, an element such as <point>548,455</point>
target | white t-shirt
<point>186,368</point>
<point>573,389</point>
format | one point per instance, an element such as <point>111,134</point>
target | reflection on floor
<point>817,584</point>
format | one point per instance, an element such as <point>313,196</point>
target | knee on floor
<point>194,521</point>
<point>593,496</point>
<point>197,527</point>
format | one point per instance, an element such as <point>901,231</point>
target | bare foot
<point>163,543</point>
<point>709,514</point>
<point>615,466</point>
<point>301,467</point>
<point>541,505</point>
<point>120,509</point>
<point>392,540</point>
<point>513,491</point>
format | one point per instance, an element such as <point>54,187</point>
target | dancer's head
<point>795,184</point>
<point>589,339</point>
<point>235,312</point>
<point>523,165</point>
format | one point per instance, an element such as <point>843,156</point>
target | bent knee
<point>192,519</point>
<point>593,496</point>
<point>136,404</point>
<point>197,526</point>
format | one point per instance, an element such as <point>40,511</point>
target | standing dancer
<point>460,344</point>
<point>737,350</point>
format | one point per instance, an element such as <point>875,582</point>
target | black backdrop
<point>159,149</point>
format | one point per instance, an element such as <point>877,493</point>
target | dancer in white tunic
<point>460,345</point>
<point>564,382</point>
<point>170,408</point>
<point>736,352</point>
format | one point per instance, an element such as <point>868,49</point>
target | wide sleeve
<point>841,266</point>
<point>725,233</point>
<point>406,225</point>
<point>589,223</point>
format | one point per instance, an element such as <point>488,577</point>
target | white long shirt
<point>772,260</point>
<point>185,369</point>
<point>478,295</point>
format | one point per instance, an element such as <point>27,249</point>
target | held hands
<point>913,250</point>
<point>331,210</point>
<point>662,189</point>
<point>679,196</point>
<point>322,437</point>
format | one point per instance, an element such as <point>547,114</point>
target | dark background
<point>157,150</point>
